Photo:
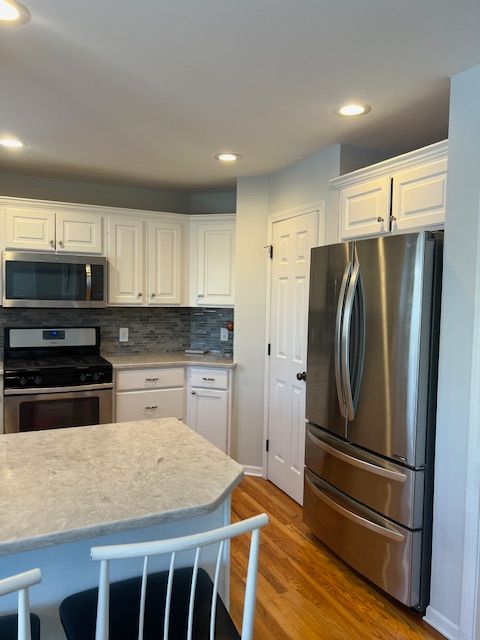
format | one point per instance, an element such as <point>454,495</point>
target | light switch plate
<point>123,334</point>
<point>224,335</point>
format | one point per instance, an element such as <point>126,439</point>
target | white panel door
<point>32,229</point>
<point>165,263</point>
<point>216,256</point>
<point>419,197</point>
<point>125,258</point>
<point>365,209</point>
<point>292,241</point>
<point>208,415</point>
<point>79,232</point>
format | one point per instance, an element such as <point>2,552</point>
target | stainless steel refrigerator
<point>371,399</point>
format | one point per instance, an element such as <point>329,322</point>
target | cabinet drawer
<point>209,378</point>
<point>387,554</point>
<point>150,378</point>
<point>145,405</point>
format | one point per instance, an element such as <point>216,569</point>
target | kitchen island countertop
<point>176,358</point>
<point>64,485</point>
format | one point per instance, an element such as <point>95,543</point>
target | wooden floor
<point>303,591</point>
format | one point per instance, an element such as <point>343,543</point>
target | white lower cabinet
<point>149,405</point>
<point>209,404</point>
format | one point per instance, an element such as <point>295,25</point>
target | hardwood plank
<point>305,592</point>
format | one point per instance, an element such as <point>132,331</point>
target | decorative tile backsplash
<point>150,329</point>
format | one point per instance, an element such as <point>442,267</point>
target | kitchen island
<point>63,491</point>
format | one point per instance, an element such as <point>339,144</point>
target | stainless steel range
<point>54,378</point>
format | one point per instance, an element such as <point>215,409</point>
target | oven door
<point>42,409</point>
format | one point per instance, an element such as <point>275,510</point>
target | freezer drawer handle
<point>363,522</point>
<point>355,462</point>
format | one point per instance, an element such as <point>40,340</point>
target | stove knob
<point>37,380</point>
<point>96,377</point>
<point>83,377</point>
<point>23,381</point>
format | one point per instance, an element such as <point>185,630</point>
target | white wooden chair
<point>180,603</point>
<point>25,626</point>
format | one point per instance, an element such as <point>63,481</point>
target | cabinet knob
<point>200,295</point>
<point>153,295</point>
<point>379,219</point>
<point>392,218</point>
<point>140,294</point>
<point>52,243</point>
<point>60,242</point>
<point>194,393</point>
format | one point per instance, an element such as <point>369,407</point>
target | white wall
<point>300,184</point>
<point>454,426</point>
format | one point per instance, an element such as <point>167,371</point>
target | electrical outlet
<point>123,334</point>
<point>224,334</point>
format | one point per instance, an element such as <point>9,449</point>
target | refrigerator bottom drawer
<point>387,554</point>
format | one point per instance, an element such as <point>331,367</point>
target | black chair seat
<point>9,627</point>
<point>78,611</point>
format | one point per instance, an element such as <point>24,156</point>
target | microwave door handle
<point>338,334</point>
<point>88,282</point>
<point>345,340</point>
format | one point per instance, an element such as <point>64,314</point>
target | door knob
<point>302,375</point>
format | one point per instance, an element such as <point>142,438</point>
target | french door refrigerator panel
<point>390,415</point>
<point>329,273</point>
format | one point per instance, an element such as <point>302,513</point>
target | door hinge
<point>268,349</point>
<point>267,445</point>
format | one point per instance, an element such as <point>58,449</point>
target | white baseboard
<point>251,470</point>
<point>439,622</point>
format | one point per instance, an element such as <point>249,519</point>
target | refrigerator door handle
<point>363,522</point>
<point>356,462</point>
<point>338,334</point>
<point>345,341</point>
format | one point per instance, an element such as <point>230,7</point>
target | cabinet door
<point>149,405</point>
<point>165,263</point>
<point>27,228</point>
<point>79,232</point>
<point>365,209</point>
<point>419,197</point>
<point>215,264</point>
<point>208,415</point>
<point>125,258</point>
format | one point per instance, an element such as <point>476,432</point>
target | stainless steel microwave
<point>53,280</point>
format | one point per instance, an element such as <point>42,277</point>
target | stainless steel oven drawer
<point>387,554</point>
<point>386,487</point>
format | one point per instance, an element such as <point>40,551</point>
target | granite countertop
<point>63,485</point>
<point>135,360</point>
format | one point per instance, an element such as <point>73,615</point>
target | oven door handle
<point>35,391</point>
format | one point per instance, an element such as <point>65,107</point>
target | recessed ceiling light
<point>12,12</point>
<point>11,143</point>
<point>353,109</point>
<point>227,157</point>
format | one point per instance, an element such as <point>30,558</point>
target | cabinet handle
<point>209,379</point>
<point>60,243</point>
<point>151,379</point>
<point>200,295</point>
<point>392,218</point>
<point>379,219</point>
<point>52,243</point>
<point>154,406</point>
<point>153,295</point>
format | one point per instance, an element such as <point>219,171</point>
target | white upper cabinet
<point>212,255</point>
<point>417,184</point>
<point>419,196</point>
<point>165,262</point>
<point>365,208</point>
<point>79,232</point>
<point>29,228</point>
<point>125,254</point>
<point>49,227</point>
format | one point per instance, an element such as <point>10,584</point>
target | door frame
<point>320,208</point>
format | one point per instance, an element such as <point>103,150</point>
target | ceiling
<point>146,92</point>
